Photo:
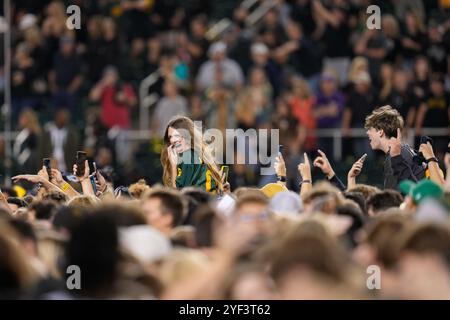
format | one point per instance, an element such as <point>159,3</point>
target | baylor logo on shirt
<point>179,172</point>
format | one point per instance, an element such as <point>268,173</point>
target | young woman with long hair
<point>186,159</point>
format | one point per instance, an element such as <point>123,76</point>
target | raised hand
<point>324,165</point>
<point>57,177</point>
<point>305,168</point>
<point>280,166</point>
<point>43,173</point>
<point>427,150</point>
<point>356,168</point>
<point>173,155</point>
<point>395,144</point>
<point>86,171</point>
<point>33,178</point>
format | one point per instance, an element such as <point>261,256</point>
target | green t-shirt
<point>192,172</point>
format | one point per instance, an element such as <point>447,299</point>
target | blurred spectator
<point>170,105</point>
<point>412,41</point>
<point>373,45</point>
<point>26,144</point>
<point>219,108</point>
<point>391,30</point>
<point>300,53</point>
<point>435,112</point>
<point>333,20</point>
<point>302,102</point>
<point>421,78</point>
<point>219,69</point>
<point>260,57</point>
<point>116,99</point>
<point>328,108</point>
<point>62,141</point>
<point>135,18</point>
<point>23,74</point>
<point>402,98</point>
<point>66,76</point>
<point>360,103</point>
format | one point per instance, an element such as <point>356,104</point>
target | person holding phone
<point>187,162</point>
<point>384,126</point>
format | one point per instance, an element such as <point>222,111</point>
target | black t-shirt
<point>307,59</point>
<point>66,69</point>
<point>411,53</point>
<point>437,111</point>
<point>403,102</point>
<point>361,105</point>
<point>336,39</point>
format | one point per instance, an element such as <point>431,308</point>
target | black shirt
<point>436,115</point>
<point>361,105</point>
<point>403,102</point>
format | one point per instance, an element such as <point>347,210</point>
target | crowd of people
<point>164,219</point>
<point>192,238</point>
<point>304,66</point>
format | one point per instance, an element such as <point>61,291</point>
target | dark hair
<point>358,222</point>
<point>17,201</point>
<point>171,203</point>
<point>382,235</point>
<point>67,217</point>
<point>124,215</point>
<point>44,209</point>
<point>204,220</point>
<point>94,247</point>
<point>358,197</point>
<point>318,252</point>
<point>428,238</point>
<point>55,196</point>
<point>23,228</point>
<point>197,193</point>
<point>384,200</point>
<point>9,191</point>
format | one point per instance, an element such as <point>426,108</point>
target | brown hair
<point>197,144</point>
<point>383,233</point>
<point>385,118</point>
<point>365,189</point>
<point>172,202</point>
<point>137,189</point>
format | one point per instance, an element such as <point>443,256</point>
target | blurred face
<point>375,138</point>
<point>67,47</point>
<point>177,139</point>
<point>218,56</point>
<point>260,58</point>
<point>421,66</point>
<point>328,86</point>
<point>170,90</point>
<point>23,121</point>
<point>252,286</point>
<point>61,119</point>
<point>400,81</point>
<point>361,87</point>
<point>437,88</point>
<point>423,276</point>
<point>255,214</point>
<point>198,28</point>
<point>257,77</point>
<point>111,78</point>
<point>155,216</point>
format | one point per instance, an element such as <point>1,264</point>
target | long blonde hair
<point>197,143</point>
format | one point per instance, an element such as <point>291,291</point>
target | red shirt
<point>114,113</point>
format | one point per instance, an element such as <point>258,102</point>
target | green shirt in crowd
<point>193,172</point>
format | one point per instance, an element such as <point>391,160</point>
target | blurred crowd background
<point>300,66</point>
<point>311,69</point>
